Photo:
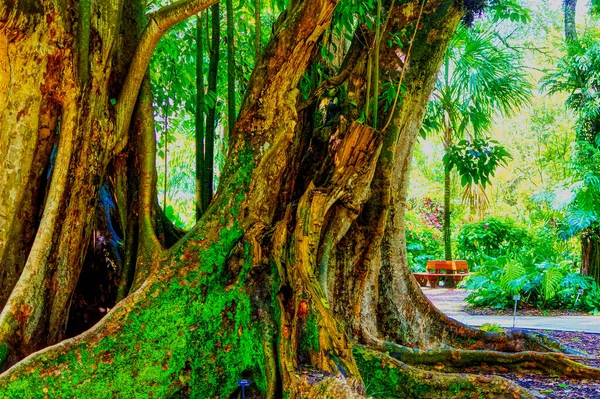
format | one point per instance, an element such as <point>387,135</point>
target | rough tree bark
<point>71,97</point>
<point>569,11</point>
<point>296,274</point>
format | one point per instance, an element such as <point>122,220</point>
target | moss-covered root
<point>452,360</point>
<point>386,377</point>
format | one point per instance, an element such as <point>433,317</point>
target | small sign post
<point>579,292</point>
<point>243,384</point>
<point>516,298</point>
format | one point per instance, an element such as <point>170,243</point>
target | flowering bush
<point>423,240</point>
<point>431,212</point>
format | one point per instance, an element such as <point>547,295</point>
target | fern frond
<point>551,282</point>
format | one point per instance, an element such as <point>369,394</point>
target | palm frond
<point>576,220</point>
<point>481,78</point>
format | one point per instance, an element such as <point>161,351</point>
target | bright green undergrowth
<point>507,259</point>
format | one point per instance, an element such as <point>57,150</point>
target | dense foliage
<point>173,77</point>
<point>423,233</point>
<point>496,237</point>
<point>476,161</point>
<point>578,74</point>
<point>476,86</point>
<point>481,78</point>
<point>522,234</point>
<point>507,259</point>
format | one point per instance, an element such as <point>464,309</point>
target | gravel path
<point>452,302</point>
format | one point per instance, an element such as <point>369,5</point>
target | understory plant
<point>494,237</point>
<point>548,284</point>
<point>423,233</point>
<point>508,259</point>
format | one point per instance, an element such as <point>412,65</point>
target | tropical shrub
<point>492,237</point>
<point>578,74</point>
<point>591,299</point>
<point>549,284</point>
<point>495,237</point>
<point>423,240</point>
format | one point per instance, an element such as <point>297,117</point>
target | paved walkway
<point>451,302</point>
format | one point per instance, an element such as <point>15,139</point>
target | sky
<point>582,7</point>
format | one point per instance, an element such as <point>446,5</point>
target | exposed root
<point>330,388</point>
<point>437,330</point>
<point>386,377</point>
<point>452,360</point>
<point>513,341</point>
<point>544,341</point>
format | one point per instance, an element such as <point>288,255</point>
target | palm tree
<point>480,79</point>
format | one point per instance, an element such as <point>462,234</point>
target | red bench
<point>450,269</point>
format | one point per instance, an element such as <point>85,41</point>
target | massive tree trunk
<point>62,78</point>
<point>295,275</point>
<point>35,313</point>
<point>590,253</point>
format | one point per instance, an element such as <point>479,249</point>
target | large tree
<point>577,74</point>
<point>295,275</point>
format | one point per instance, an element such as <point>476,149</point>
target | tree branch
<point>159,22</point>
<point>17,18</point>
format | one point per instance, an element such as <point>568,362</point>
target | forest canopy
<point>194,192</point>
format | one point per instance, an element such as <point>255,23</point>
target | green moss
<point>454,388</point>
<point>193,335</point>
<point>310,339</point>
<point>465,341</point>
<point>3,354</point>
<point>386,380</point>
<point>177,341</point>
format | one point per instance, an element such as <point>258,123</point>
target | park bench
<point>436,269</point>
